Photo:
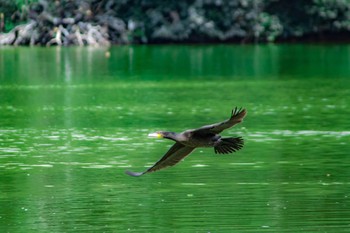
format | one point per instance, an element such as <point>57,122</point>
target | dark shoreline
<point>290,41</point>
<point>107,22</point>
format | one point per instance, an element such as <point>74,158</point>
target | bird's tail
<point>228,145</point>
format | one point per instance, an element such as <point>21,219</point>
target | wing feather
<point>174,155</point>
<point>237,116</point>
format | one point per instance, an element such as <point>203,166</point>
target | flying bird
<point>205,136</point>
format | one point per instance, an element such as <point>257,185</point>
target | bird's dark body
<point>200,139</point>
<point>206,136</point>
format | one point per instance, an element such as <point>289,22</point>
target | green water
<point>73,120</point>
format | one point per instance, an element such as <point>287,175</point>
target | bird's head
<point>161,134</point>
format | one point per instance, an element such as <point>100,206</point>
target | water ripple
<point>276,135</point>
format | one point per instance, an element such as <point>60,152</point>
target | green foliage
<point>7,7</point>
<point>305,17</point>
<point>14,12</point>
<point>152,21</point>
<point>231,20</point>
<point>332,15</point>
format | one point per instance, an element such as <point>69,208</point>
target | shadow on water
<point>72,121</point>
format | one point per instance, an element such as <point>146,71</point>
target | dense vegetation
<point>101,22</point>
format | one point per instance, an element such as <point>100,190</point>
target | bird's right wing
<point>237,116</point>
<point>174,155</point>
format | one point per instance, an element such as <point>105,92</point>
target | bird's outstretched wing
<point>174,155</point>
<point>237,116</point>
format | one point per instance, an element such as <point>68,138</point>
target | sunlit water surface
<point>73,120</point>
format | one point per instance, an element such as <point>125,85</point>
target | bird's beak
<point>155,135</point>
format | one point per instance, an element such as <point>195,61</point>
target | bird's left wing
<point>174,155</point>
<point>237,116</point>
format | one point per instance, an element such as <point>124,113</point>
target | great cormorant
<point>205,136</point>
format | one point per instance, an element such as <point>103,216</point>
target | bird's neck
<point>172,136</point>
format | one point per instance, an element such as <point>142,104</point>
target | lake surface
<point>72,120</point>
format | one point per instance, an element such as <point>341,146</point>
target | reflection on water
<point>70,130</point>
